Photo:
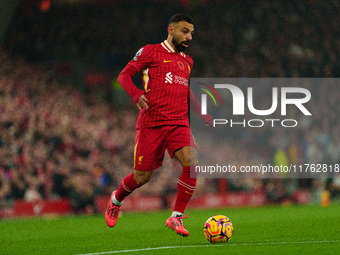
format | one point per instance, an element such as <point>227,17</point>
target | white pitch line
<point>209,245</point>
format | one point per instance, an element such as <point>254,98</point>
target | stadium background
<point>67,128</point>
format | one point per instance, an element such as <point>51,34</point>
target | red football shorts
<point>151,143</point>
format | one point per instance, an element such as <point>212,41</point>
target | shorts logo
<point>167,61</point>
<point>140,158</point>
<point>168,78</point>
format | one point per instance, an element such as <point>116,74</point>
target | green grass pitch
<point>263,230</point>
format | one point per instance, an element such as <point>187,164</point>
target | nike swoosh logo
<point>188,193</point>
<point>166,61</point>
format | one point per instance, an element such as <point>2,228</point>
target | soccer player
<point>163,118</point>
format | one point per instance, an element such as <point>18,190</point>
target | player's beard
<point>179,45</point>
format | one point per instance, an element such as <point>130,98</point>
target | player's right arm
<point>142,60</point>
<point>125,80</point>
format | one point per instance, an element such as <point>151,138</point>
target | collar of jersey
<point>168,47</point>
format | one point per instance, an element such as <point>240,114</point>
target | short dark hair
<point>180,17</point>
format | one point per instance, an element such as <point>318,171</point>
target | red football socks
<point>126,187</point>
<point>186,187</point>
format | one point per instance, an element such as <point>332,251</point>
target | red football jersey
<point>166,73</point>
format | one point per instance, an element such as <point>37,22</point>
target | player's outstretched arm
<point>196,108</point>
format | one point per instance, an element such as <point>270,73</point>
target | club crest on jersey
<point>138,54</point>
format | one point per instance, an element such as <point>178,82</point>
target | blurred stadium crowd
<point>57,140</point>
